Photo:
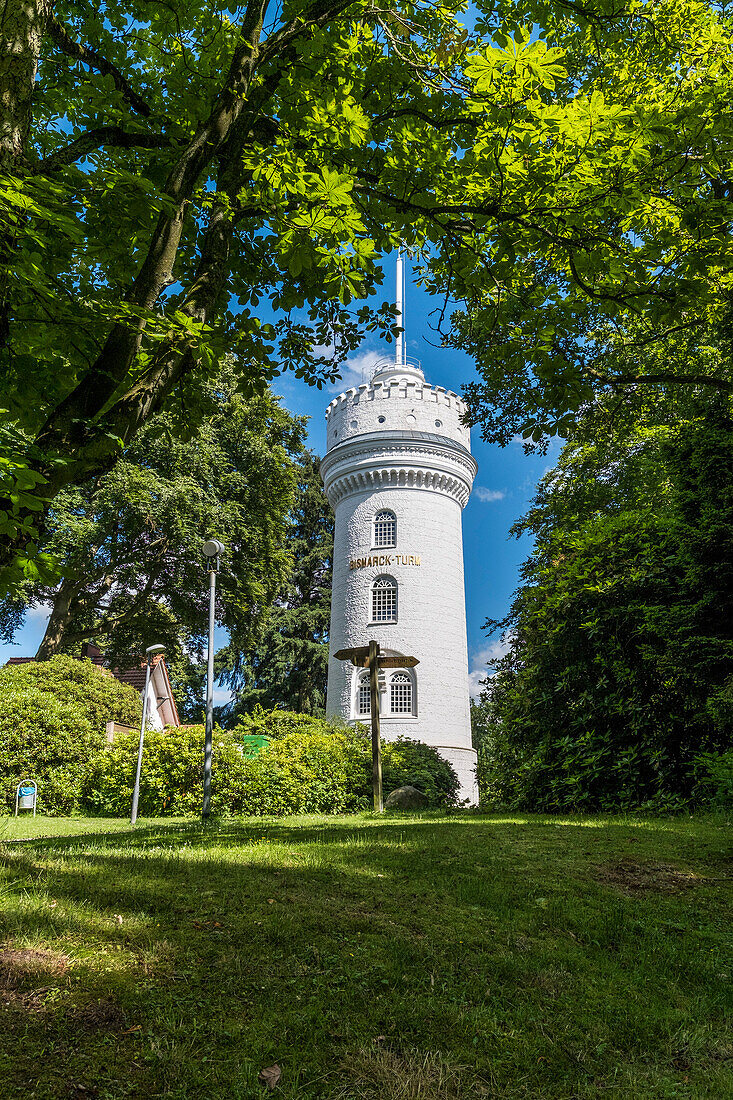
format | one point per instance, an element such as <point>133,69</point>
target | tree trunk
<point>62,614</point>
<point>22,27</point>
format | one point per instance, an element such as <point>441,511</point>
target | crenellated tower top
<point>397,399</point>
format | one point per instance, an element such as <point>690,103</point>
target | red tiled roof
<point>134,676</point>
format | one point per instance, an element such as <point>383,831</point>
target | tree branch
<point>68,45</point>
<point>97,138</point>
<point>316,16</point>
<point>67,424</point>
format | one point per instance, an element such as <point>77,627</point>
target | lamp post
<point>213,549</point>
<point>149,652</point>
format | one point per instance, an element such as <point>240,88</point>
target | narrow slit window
<point>385,529</point>
<point>400,693</point>
<point>384,600</point>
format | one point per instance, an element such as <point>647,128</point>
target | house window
<point>400,693</point>
<point>363,698</point>
<point>384,600</point>
<point>385,529</point>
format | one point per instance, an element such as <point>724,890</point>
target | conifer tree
<point>289,667</point>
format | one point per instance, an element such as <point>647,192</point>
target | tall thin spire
<point>400,318</point>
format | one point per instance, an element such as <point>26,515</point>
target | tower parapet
<point>396,398</point>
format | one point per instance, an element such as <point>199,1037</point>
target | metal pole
<point>136,791</point>
<point>399,302</point>
<point>374,708</point>
<point>208,741</point>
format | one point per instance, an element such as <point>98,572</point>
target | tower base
<point>463,762</point>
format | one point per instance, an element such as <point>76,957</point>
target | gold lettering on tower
<point>381,560</point>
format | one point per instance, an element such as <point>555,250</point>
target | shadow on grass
<point>305,829</point>
<point>328,944</point>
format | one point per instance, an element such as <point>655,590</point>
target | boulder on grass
<point>406,798</point>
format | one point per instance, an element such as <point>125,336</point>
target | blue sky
<point>503,487</point>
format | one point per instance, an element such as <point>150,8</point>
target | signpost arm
<point>374,708</point>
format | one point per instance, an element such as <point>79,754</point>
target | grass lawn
<point>412,958</point>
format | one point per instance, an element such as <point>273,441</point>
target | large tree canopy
<point>620,667</point>
<point>615,274</point>
<point>288,668</point>
<point>129,543</point>
<point>167,167</point>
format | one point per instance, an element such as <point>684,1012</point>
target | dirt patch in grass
<point>405,1075</point>
<point>105,1015</point>
<point>21,967</point>
<point>27,975</point>
<point>632,877</point>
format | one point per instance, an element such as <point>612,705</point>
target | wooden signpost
<point>368,656</point>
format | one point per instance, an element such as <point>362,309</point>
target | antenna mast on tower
<point>400,318</point>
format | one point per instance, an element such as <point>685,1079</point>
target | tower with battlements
<point>398,472</point>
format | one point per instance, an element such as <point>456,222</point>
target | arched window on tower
<point>385,529</point>
<point>384,600</point>
<point>401,694</point>
<point>363,698</point>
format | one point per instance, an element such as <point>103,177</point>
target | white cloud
<point>479,660</point>
<point>488,496</point>
<point>358,369</point>
<point>39,615</point>
<point>222,695</point>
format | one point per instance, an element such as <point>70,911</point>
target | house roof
<point>134,675</point>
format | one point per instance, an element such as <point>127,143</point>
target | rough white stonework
<point>398,444</point>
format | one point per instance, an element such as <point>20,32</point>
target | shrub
<point>715,775</point>
<point>279,723</point>
<point>306,772</point>
<point>403,761</point>
<point>309,772</point>
<point>52,720</point>
<point>309,768</point>
<point>171,781</point>
<point>411,762</point>
<point>298,773</point>
<point>324,763</point>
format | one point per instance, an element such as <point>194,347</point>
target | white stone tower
<point>398,472</point>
